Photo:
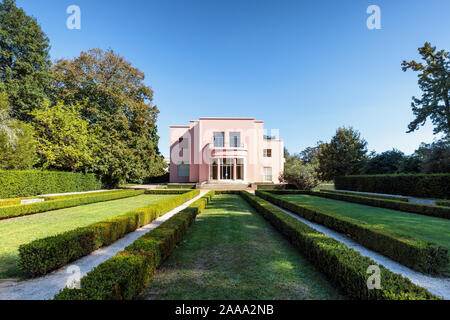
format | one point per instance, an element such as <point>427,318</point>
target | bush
<point>181,186</point>
<point>167,191</point>
<point>344,267</point>
<point>61,202</point>
<point>414,253</point>
<point>42,256</point>
<point>415,185</point>
<point>124,276</point>
<point>24,183</point>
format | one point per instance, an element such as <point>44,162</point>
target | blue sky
<point>304,67</point>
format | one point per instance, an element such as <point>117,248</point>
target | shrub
<point>181,186</point>
<point>167,191</point>
<point>416,185</point>
<point>414,253</point>
<point>124,276</point>
<point>67,201</point>
<point>24,183</point>
<point>344,267</point>
<point>44,255</point>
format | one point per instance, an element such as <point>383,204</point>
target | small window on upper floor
<point>268,153</point>
<point>219,139</point>
<point>235,139</point>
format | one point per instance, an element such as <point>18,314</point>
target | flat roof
<point>225,118</point>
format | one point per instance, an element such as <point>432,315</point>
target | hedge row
<point>124,276</point>
<point>369,195</point>
<point>61,202</point>
<point>444,203</point>
<point>25,183</point>
<point>416,185</point>
<point>181,186</point>
<point>414,253</point>
<point>167,191</point>
<point>423,209</point>
<point>44,255</point>
<point>344,267</point>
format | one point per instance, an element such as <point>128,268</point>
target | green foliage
<point>434,75</point>
<point>181,186</point>
<point>434,157</point>
<point>415,185</point>
<point>124,276</point>
<point>384,163</point>
<point>345,154</point>
<point>414,253</point>
<point>167,191</point>
<point>302,175</point>
<point>116,102</point>
<point>44,255</point>
<point>64,140</point>
<point>17,210</point>
<point>24,183</point>
<point>24,60</point>
<point>345,267</point>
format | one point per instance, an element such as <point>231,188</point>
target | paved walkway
<point>46,287</point>
<point>437,286</point>
<point>429,202</point>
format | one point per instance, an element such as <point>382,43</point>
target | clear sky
<point>304,67</point>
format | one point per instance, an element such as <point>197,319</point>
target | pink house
<point>224,150</point>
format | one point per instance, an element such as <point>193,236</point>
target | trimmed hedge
<point>44,255</point>
<point>423,209</point>
<point>416,185</point>
<point>167,191</point>
<point>181,186</point>
<point>124,276</point>
<point>377,196</point>
<point>24,183</point>
<point>414,253</point>
<point>345,267</point>
<point>61,202</point>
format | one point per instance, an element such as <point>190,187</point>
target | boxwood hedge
<point>24,183</point>
<point>416,185</point>
<point>414,253</point>
<point>60,202</point>
<point>345,267</point>
<point>423,209</point>
<point>124,276</point>
<point>44,255</point>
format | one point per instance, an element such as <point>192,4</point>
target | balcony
<point>228,150</point>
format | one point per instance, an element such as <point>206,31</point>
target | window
<point>240,169</point>
<point>214,169</point>
<point>268,174</point>
<point>268,153</point>
<point>219,139</point>
<point>235,139</point>
<point>226,169</point>
<point>183,170</point>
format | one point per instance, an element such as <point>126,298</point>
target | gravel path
<point>437,286</point>
<point>46,287</point>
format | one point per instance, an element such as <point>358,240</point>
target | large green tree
<point>24,60</point>
<point>65,141</point>
<point>117,102</point>
<point>387,162</point>
<point>434,81</point>
<point>346,154</point>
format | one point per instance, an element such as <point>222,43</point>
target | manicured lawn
<point>406,224</point>
<point>17,231</point>
<point>231,252</point>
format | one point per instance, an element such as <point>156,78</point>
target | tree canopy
<point>24,60</point>
<point>434,81</point>
<point>117,102</point>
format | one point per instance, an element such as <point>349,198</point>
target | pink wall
<point>198,149</point>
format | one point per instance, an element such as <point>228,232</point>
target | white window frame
<point>267,177</point>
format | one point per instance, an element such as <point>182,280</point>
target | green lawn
<point>406,224</point>
<point>17,231</point>
<point>231,252</point>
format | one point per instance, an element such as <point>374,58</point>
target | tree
<point>346,154</point>
<point>385,163</point>
<point>17,144</point>
<point>434,81</point>
<point>435,157</point>
<point>119,104</point>
<point>64,140</point>
<point>302,175</point>
<point>24,60</point>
